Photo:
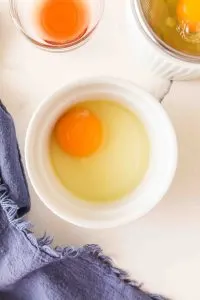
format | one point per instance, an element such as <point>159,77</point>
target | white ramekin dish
<point>156,55</point>
<point>163,158</point>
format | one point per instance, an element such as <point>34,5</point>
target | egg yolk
<point>64,20</point>
<point>188,13</point>
<point>79,132</point>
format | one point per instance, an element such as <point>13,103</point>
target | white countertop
<point>162,249</point>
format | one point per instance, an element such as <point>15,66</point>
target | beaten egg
<point>99,150</point>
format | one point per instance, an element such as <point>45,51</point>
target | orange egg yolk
<point>64,20</point>
<point>79,132</point>
<point>188,13</point>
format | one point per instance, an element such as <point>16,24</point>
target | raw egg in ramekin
<point>100,152</point>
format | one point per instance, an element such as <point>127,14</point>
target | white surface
<point>162,249</point>
<point>161,170</point>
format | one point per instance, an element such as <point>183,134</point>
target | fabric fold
<point>11,168</point>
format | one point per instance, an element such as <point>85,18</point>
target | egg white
<point>117,167</point>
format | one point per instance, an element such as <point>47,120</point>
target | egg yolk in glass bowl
<point>176,22</point>
<point>188,13</point>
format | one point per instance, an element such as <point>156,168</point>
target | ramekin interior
<point>162,165</point>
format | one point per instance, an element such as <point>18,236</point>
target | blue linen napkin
<point>29,268</point>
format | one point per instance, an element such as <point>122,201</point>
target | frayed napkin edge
<point>44,244</point>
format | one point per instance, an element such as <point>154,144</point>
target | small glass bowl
<point>22,13</point>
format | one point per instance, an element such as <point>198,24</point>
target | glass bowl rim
<point>137,11</point>
<point>57,47</point>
